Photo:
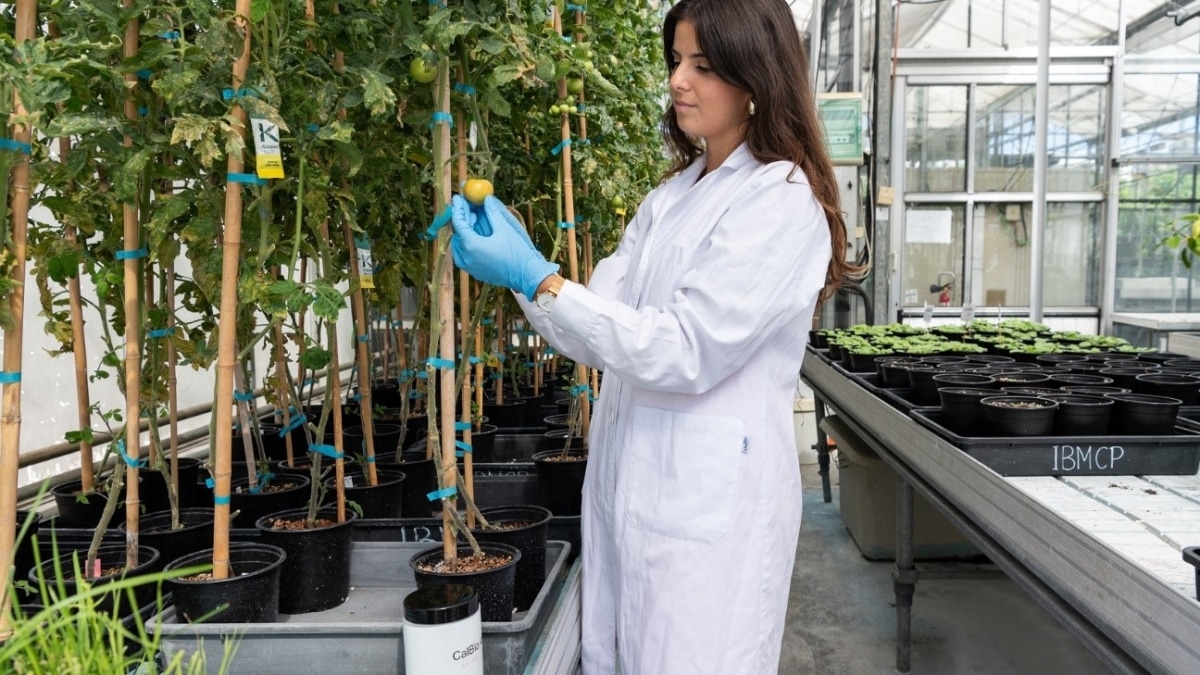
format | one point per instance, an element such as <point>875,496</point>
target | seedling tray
<point>1174,455</point>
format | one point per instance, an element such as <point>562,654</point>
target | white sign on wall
<point>927,226</point>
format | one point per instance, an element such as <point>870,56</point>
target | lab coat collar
<point>736,160</point>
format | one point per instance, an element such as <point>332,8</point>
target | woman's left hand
<point>492,246</point>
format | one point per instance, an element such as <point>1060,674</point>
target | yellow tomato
<point>477,189</point>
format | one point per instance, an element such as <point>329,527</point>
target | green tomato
<point>575,86</point>
<point>421,72</point>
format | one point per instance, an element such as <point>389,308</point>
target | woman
<point>692,501</point>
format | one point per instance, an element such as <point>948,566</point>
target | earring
<point>751,108</point>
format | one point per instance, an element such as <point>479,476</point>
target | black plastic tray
<point>1174,455</point>
<point>1189,417</point>
<point>1191,555</point>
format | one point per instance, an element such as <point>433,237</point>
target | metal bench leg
<point>822,449</point>
<point>904,577</point>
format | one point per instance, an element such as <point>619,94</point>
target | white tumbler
<point>443,631</point>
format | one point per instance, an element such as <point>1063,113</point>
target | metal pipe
<point>1040,163</point>
<point>1116,103</point>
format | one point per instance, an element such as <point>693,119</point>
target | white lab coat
<point>691,505</point>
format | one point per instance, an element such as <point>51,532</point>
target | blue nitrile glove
<point>490,244</point>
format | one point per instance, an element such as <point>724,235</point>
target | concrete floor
<point>841,620</point>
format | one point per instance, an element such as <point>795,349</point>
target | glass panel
<point>1161,115</point>
<point>935,126</point>
<point>1151,278</point>
<point>933,255</point>
<point>1005,138</point>
<point>1072,243</point>
<point>1005,24</point>
<point>1000,255</point>
<point>1160,38</point>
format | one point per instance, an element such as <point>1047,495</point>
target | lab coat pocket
<point>684,471</point>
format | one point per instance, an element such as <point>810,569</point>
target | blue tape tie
<point>265,476</point>
<point>575,8</point>
<point>10,378</point>
<point>228,94</point>
<point>462,426</point>
<point>501,357</point>
<point>438,224</point>
<point>143,110</point>
<point>293,424</point>
<point>247,178</point>
<point>415,394</point>
<point>397,324</point>
<point>314,128</point>
<point>255,489</point>
<point>328,450</point>
<point>169,35</point>
<point>529,364</point>
<point>210,483</point>
<point>445,364</point>
<point>496,376</point>
<point>568,38</point>
<point>145,73</point>
<point>160,333</point>
<point>579,389</point>
<point>582,108</point>
<point>463,449</point>
<point>549,351</point>
<point>440,116</point>
<point>356,398</point>
<point>129,461</point>
<point>442,494</point>
<point>566,225</point>
<point>464,89</point>
<point>243,395</point>
<point>220,501</point>
<point>423,375</point>
<point>406,375</point>
<point>370,459</point>
<point>474,360</point>
<point>15,146</point>
<point>364,338</point>
<point>132,255</point>
<point>566,143</point>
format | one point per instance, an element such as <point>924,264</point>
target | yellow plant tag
<point>267,152</point>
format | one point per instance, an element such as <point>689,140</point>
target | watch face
<point>545,300</point>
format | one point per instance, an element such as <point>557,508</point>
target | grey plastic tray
<point>364,634</point>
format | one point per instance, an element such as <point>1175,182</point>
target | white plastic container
<point>443,631</point>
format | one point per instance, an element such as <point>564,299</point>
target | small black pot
<point>1086,367</point>
<point>386,438</point>
<point>149,562</point>
<point>495,587</point>
<point>420,479</point>
<point>961,409</point>
<point>195,532</point>
<point>991,359</point>
<point>1023,378</point>
<point>1143,414</point>
<point>1184,365</point>
<point>924,389</point>
<point>556,422</point>
<point>529,525</point>
<point>1126,377</point>
<point>383,500</point>
<point>83,514</point>
<point>561,482</point>
<point>23,552</point>
<point>385,393</point>
<point>252,506</point>
<point>415,427</point>
<point>1111,357</point>
<point>1160,357</point>
<point>274,441</point>
<point>1021,390</point>
<point>864,363</point>
<point>152,488</point>
<point>316,574</point>
<point>1080,415</point>
<point>942,359</point>
<point>1182,387</point>
<point>507,415</point>
<point>893,371</point>
<point>965,380</point>
<point>1080,380</point>
<point>1019,415</point>
<point>483,444</point>
<point>1096,391</point>
<point>1056,359</point>
<point>249,595</point>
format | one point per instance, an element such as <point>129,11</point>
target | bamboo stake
<point>281,387</point>
<point>464,320</point>
<point>334,388</point>
<point>479,363</point>
<point>133,327</point>
<point>10,421</point>
<point>446,342</point>
<point>572,247</point>
<point>172,382</point>
<point>364,374</point>
<point>231,247</point>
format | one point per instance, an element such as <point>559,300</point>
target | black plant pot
<point>1096,391</point>
<point>507,415</point>
<point>965,380</point>
<point>495,586</point>
<point>483,444</point>
<point>23,554</point>
<point>961,408</point>
<point>1160,357</point>
<point>924,389</point>
<point>283,492</point>
<point>863,363</point>
<point>415,427</point>
<point>943,359</point>
<point>556,422</point>
<point>1022,390</point>
<point>524,527</point>
<point>72,512</point>
<point>1080,415</point>
<point>1182,387</point>
<point>1125,377</point>
<point>249,595</point>
<point>1019,415</point>
<point>386,438</point>
<point>1143,415</point>
<point>1086,367</point>
<point>1080,380</point>
<point>1056,359</point>
<point>420,479</point>
<point>1112,357</point>
<point>274,441</point>
<point>385,394</point>
<point>149,562</point>
<point>1183,365</point>
<point>991,359</point>
<point>893,371</point>
<point>152,488</point>
<point>1023,378</point>
<point>316,574</point>
<point>195,532</point>
<point>561,481</point>
<point>383,500</point>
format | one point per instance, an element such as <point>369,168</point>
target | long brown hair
<point>754,46</point>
